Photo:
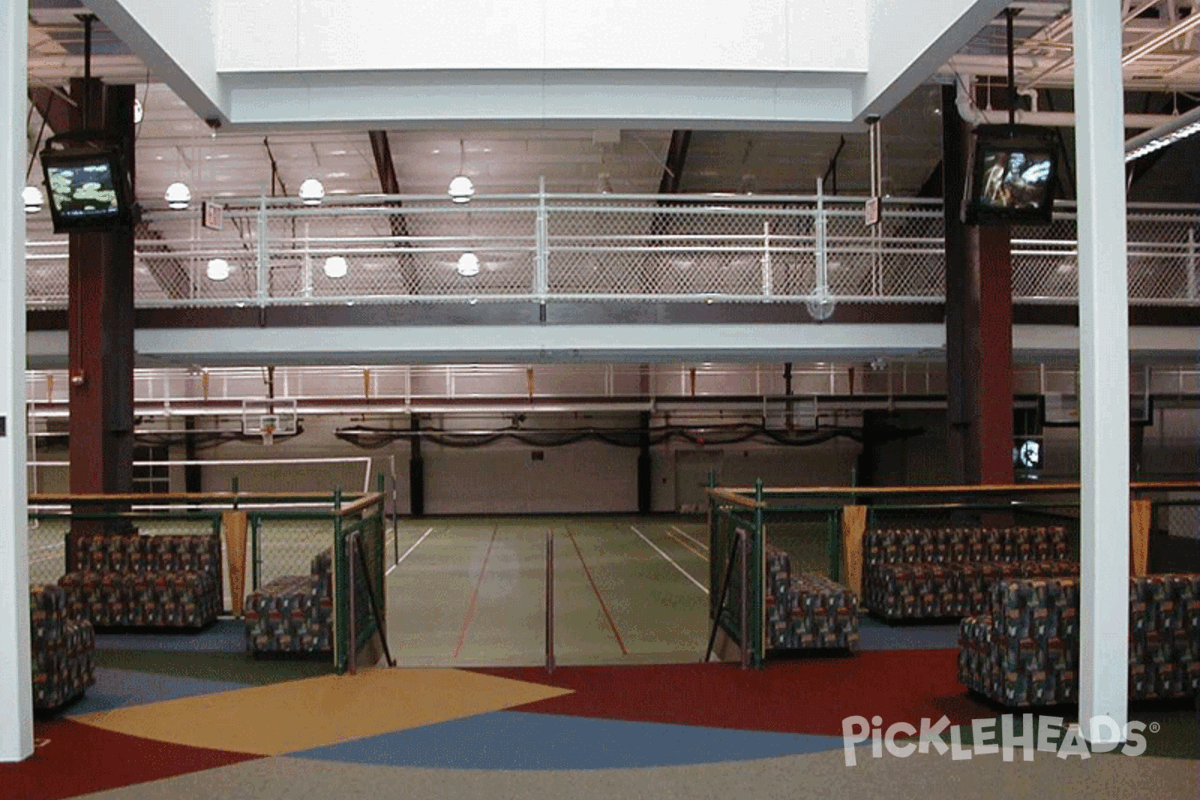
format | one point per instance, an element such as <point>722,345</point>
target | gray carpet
<point>819,777</point>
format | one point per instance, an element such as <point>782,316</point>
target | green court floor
<point>472,591</point>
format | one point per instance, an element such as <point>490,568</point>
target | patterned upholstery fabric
<point>807,611</point>
<point>975,580</point>
<point>1025,650</point>
<point>924,573</point>
<point>63,648</point>
<point>294,613</point>
<point>171,581</point>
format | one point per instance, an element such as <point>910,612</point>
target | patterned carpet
<point>147,734</point>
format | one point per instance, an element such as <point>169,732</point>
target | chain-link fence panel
<point>1162,258</point>
<point>666,248</point>
<point>811,538</point>
<point>1179,518</point>
<point>752,249</point>
<point>47,548</point>
<point>285,544</point>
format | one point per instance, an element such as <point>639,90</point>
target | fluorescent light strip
<point>1143,144</point>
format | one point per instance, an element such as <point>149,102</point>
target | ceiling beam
<point>676,159</point>
<point>389,184</point>
<point>53,106</point>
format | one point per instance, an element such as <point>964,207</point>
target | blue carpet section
<point>118,688</point>
<point>510,740</point>
<point>877,635</point>
<point>223,636</point>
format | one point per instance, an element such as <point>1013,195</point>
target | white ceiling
<point>173,144</point>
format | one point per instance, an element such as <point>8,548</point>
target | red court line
<point>462,635</point>
<point>685,544</point>
<point>603,605</point>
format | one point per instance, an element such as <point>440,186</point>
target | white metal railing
<point>224,390</point>
<point>635,248</point>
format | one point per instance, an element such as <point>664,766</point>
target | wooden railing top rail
<point>366,501</point>
<point>731,495</point>
<point>744,496</point>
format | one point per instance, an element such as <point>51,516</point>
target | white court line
<point>686,574</point>
<point>681,533</point>
<point>409,550</point>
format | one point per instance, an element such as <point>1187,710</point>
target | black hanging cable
<point>88,20</point>
<point>1010,13</point>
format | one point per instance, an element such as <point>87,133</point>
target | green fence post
<point>255,532</point>
<point>754,635</point>
<point>714,544</point>
<point>341,653</point>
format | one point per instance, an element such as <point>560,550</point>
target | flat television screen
<point>86,189</point>
<point>1014,171</point>
<point>1027,453</point>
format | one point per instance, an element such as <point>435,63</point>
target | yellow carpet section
<point>299,715</point>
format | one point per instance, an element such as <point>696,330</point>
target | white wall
<point>177,42</point>
<point>518,34</point>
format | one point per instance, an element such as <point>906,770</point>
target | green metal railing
<point>809,524</point>
<point>284,533</point>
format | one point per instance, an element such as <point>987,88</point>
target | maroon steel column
<point>100,323</point>
<point>992,253</point>
<point>978,325</point>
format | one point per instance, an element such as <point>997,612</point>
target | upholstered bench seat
<point>807,610</point>
<point>974,580</point>
<point>927,573</point>
<point>151,581</point>
<point>63,648</point>
<point>1025,650</point>
<point>293,613</point>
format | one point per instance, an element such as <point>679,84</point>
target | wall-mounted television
<point>1027,453</point>
<point>87,185</point>
<point>1014,169</point>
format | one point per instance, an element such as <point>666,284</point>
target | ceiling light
<point>336,267</point>
<point>32,197</point>
<point>468,265</point>
<point>461,189</point>
<point>312,192</point>
<point>178,196</point>
<point>218,269</point>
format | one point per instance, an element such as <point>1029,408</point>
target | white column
<point>16,698</point>
<point>1103,368</point>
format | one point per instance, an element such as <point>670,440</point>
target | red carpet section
<point>811,695</point>
<point>73,759</point>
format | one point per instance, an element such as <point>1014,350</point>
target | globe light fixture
<point>312,192</point>
<point>178,196</point>
<point>336,267</point>
<point>461,189</point>
<point>218,269</point>
<point>32,197</point>
<point>468,265</point>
